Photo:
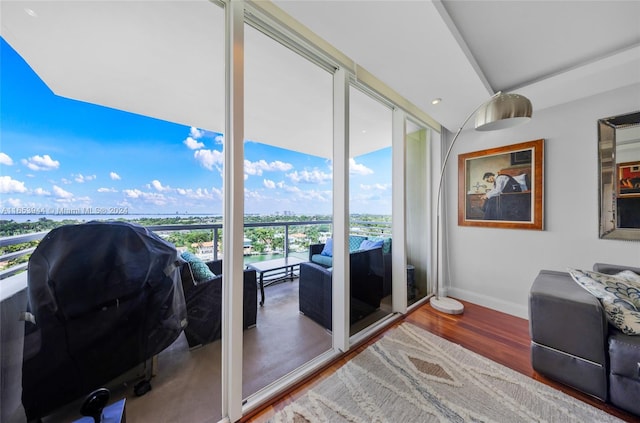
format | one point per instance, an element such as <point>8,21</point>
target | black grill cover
<point>106,296</point>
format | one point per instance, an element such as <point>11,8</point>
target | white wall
<point>496,267</point>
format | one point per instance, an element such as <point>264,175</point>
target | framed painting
<point>502,187</point>
<point>629,179</point>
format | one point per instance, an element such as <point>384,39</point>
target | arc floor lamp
<point>498,112</point>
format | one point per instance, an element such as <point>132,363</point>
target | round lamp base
<point>447,305</point>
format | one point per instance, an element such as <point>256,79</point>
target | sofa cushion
<point>619,295</point>
<point>328,248</point>
<point>355,241</point>
<point>322,260</point>
<point>200,270</point>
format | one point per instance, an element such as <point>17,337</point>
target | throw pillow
<point>199,268</point>
<point>328,248</point>
<point>619,295</point>
<point>386,244</point>
<point>369,244</point>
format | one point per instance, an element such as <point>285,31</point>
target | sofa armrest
<point>566,317</point>
<point>367,276</point>
<point>569,333</point>
<point>613,268</point>
<point>315,293</point>
<point>250,298</point>
<point>315,249</point>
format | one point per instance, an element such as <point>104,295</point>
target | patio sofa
<point>573,342</point>
<point>320,254</point>
<point>203,296</point>
<point>366,282</point>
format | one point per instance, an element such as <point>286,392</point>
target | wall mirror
<point>619,162</point>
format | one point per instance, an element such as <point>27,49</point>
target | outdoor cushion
<point>323,260</point>
<point>199,268</point>
<point>355,241</point>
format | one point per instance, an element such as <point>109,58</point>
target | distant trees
<point>263,238</point>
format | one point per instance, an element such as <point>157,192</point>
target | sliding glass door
<point>370,205</point>
<point>288,207</point>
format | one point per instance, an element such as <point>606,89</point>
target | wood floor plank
<point>498,336</point>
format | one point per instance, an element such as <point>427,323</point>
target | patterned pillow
<point>619,295</point>
<point>200,270</point>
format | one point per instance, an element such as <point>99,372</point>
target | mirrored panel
<point>619,162</point>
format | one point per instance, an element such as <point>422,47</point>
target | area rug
<point>411,375</point>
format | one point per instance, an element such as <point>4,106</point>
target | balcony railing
<point>293,243</point>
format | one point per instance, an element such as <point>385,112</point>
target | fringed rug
<point>411,375</point>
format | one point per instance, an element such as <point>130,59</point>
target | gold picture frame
<point>502,187</point>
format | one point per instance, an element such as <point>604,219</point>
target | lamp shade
<point>503,111</point>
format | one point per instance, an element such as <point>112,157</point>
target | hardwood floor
<point>500,337</point>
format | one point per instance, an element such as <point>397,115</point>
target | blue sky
<point>58,154</point>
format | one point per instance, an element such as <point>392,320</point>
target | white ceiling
<point>157,57</point>
<point>552,52</point>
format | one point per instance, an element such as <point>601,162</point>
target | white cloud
<point>13,202</point>
<point>314,176</point>
<point>157,185</point>
<point>80,178</point>
<point>268,183</point>
<point>256,168</point>
<point>358,169</point>
<point>192,144</point>
<point>209,158</point>
<point>8,184</point>
<point>149,197</point>
<point>200,193</point>
<point>41,192</point>
<point>315,196</point>
<point>107,190</point>
<point>60,193</point>
<point>380,187</point>
<point>254,195</point>
<point>219,139</point>
<point>114,176</point>
<point>195,133</point>
<point>41,163</point>
<point>5,160</point>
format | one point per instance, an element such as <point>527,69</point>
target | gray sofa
<point>573,343</point>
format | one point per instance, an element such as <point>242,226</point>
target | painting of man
<point>501,187</point>
<point>501,183</point>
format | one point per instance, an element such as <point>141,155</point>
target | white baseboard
<point>508,307</point>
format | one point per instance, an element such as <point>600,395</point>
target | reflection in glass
<point>416,211</point>
<point>619,160</point>
<point>370,238</point>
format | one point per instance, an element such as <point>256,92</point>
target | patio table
<point>282,265</point>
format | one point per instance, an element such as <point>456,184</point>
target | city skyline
<point>59,153</point>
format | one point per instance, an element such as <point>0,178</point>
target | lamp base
<point>447,305</point>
